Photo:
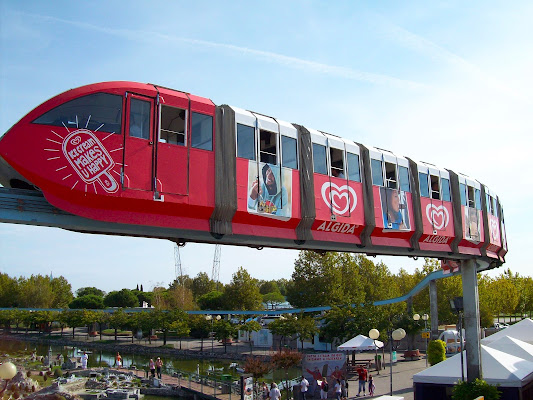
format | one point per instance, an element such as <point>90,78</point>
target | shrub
<point>436,352</point>
<point>28,374</point>
<point>468,391</point>
<point>58,372</point>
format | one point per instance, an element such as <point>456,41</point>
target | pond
<point>99,358</point>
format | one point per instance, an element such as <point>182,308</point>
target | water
<point>99,358</point>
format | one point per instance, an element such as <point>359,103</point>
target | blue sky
<point>446,82</point>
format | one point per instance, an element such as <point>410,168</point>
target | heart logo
<point>438,216</point>
<point>342,197</point>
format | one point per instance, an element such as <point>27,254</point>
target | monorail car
<point>149,156</point>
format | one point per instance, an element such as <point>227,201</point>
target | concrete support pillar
<point>409,306</point>
<point>471,320</point>
<point>433,310</point>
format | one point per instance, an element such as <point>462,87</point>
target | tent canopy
<point>498,368</point>
<point>514,347</point>
<point>521,330</point>
<point>360,343</point>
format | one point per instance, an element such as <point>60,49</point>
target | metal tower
<point>177,262</point>
<point>215,274</point>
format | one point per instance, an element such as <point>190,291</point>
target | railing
<point>216,385</point>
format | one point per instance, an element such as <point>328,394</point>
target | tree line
<point>348,283</point>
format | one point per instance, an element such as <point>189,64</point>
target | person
<point>362,374</point>
<point>338,389</point>
<point>391,209</point>
<point>274,394</point>
<point>267,197</point>
<point>118,360</point>
<point>84,358</point>
<point>324,387</point>
<point>337,173</point>
<point>304,385</point>
<point>344,395</point>
<point>265,391</point>
<point>151,365</point>
<point>158,366</point>
<point>371,386</point>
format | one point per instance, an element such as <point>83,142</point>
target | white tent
<point>522,330</point>
<point>360,343</point>
<point>498,368</point>
<point>513,347</point>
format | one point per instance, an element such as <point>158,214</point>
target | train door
<point>138,143</point>
<point>171,174</point>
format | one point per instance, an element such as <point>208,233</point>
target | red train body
<point>156,158</point>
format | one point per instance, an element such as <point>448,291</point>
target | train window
<point>424,187</point>
<point>462,192</point>
<point>354,173</point>
<point>495,206</point>
<point>404,179</point>
<point>478,199</point>
<point>245,142</point>
<point>172,125</point>
<point>202,131</point>
<point>140,119</point>
<point>289,154</point>
<point>96,112</point>
<point>470,196</point>
<point>377,172</point>
<point>337,162</point>
<point>390,176</point>
<point>319,159</point>
<point>268,147</point>
<point>488,203</point>
<point>445,185</point>
<point>435,190</point>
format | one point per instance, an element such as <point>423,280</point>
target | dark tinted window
<point>424,186</point>
<point>445,184</point>
<point>172,125</point>
<point>404,179</point>
<point>202,131</point>
<point>319,159</point>
<point>478,199</point>
<point>140,119</point>
<point>289,152</point>
<point>245,142</point>
<point>96,112</point>
<point>462,192</point>
<point>377,172</point>
<point>353,167</point>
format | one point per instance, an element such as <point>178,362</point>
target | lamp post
<point>7,371</point>
<point>374,334</point>
<point>397,334</point>
<point>425,317</point>
<point>210,318</point>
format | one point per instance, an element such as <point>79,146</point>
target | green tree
<point>74,319</point>
<point>305,328</point>
<point>273,299</point>
<point>268,287</point>
<point>284,327</point>
<point>200,328</point>
<point>118,320</point>
<point>211,301</point>
<point>251,326</point>
<point>123,298</point>
<point>224,330</point>
<point>8,291</point>
<point>89,301</point>
<point>62,293</point>
<point>36,292</point>
<point>202,284</point>
<point>242,293</point>
<point>85,291</point>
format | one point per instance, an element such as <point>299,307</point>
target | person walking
<point>304,385</point>
<point>84,359</point>
<point>338,389</point>
<point>118,360</point>
<point>151,365</point>
<point>324,387</point>
<point>371,386</point>
<point>363,375</point>
<point>265,391</point>
<point>158,366</point>
<point>274,394</point>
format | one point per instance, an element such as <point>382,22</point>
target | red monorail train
<point>153,157</point>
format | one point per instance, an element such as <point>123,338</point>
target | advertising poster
<point>395,210</point>
<point>317,367</point>
<point>269,190</point>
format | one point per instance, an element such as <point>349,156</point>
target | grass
<point>111,332</point>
